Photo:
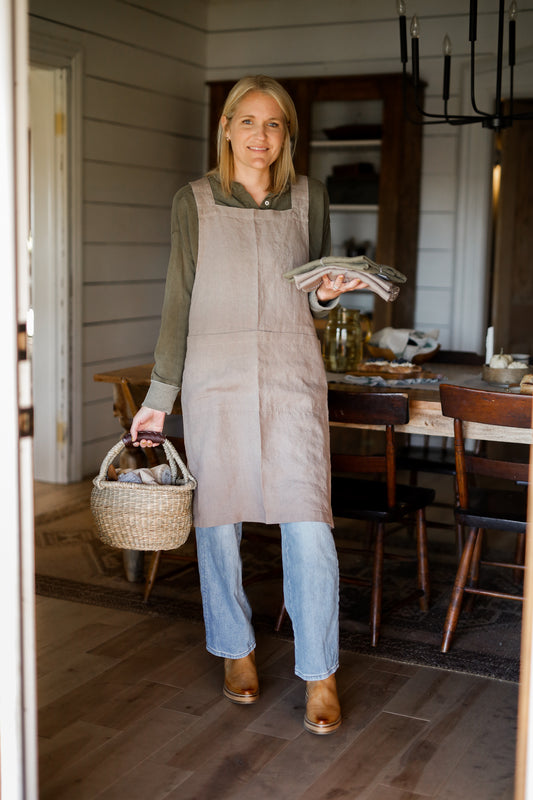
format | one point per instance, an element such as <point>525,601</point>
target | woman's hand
<point>330,288</point>
<point>146,419</point>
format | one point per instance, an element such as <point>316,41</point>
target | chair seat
<point>361,499</point>
<point>490,508</point>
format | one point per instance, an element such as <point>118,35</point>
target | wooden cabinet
<point>383,206</point>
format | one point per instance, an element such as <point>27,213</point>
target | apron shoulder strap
<point>300,194</point>
<point>202,192</point>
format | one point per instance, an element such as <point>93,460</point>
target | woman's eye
<point>274,124</point>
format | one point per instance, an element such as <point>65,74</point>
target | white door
<point>17,698</point>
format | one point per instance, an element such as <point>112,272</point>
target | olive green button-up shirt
<point>172,342</point>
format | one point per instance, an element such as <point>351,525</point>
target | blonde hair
<point>282,171</point>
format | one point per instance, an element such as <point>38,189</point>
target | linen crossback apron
<point>254,390</point>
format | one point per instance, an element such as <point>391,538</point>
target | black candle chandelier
<point>496,120</point>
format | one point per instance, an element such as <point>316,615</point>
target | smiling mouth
<point>259,149</point>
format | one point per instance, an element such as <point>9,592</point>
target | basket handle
<point>174,459</point>
<point>152,436</point>
<point>171,453</point>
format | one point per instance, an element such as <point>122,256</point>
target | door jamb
<point>48,51</point>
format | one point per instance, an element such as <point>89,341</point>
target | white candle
<point>489,345</point>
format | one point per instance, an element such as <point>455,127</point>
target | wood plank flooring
<point>131,707</point>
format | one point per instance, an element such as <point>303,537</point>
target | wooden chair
<point>435,456</point>
<point>377,501</point>
<point>431,455</point>
<point>500,504</point>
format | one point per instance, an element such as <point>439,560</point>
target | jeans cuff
<point>320,677</point>
<point>224,654</point>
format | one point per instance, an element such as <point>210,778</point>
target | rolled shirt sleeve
<point>172,342</point>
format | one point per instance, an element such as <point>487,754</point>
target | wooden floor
<point>131,707</point>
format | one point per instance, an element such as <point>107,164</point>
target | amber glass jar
<point>342,345</point>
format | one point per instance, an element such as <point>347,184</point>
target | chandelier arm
<point>444,117</point>
<point>453,119</point>
<point>406,113</point>
<point>466,120</point>
<point>456,119</point>
<point>473,80</point>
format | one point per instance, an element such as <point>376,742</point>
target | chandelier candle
<point>403,30</point>
<point>447,50</point>
<point>415,33</point>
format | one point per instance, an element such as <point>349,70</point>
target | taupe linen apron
<point>254,391</point>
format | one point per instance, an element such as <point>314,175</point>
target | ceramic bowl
<point>504,376</point>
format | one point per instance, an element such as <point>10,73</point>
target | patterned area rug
<point>72,563</point>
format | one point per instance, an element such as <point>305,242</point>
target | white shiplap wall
<point>299,37</point>
<point>143,137</point>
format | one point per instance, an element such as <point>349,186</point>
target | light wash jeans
<point>310,587</point>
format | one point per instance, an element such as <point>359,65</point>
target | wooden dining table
<point>425,415</point>
<point>130,385</point>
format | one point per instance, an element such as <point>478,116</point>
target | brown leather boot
<point>240,679</point>
<point>323,711</point>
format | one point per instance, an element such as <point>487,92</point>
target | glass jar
<point>342,345</point>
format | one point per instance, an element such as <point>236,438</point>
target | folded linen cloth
<point>381,279</point>
<point>160,475</point>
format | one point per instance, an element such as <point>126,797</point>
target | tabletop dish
<point>504,376</point>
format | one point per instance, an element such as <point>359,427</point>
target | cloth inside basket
<point>160,474</point>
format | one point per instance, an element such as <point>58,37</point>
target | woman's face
<point>256,132</point>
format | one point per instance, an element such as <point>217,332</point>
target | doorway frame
<point>48,51</point>
<point>18,701</point>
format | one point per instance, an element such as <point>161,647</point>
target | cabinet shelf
<point>353,207</point>
<point>345,144</point>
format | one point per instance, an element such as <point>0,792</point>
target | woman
<point>240,342</point>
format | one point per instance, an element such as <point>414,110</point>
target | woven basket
<point>137,516</point>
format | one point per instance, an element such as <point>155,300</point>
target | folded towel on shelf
<point>381,279</point>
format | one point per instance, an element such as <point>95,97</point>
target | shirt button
<point>267,202</point>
